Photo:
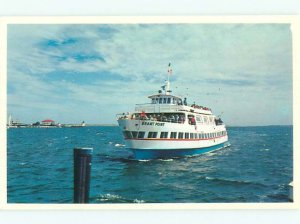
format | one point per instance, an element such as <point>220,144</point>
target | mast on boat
<point>167,85</point>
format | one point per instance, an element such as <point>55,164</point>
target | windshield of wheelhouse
<point>166,100</point>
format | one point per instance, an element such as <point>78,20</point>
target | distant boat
<point>169,127</point>
<point>15,123</point>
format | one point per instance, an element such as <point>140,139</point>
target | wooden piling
<point>82,173</point>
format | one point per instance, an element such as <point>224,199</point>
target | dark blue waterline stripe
<point>146,154</point>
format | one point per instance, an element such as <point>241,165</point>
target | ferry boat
<point>168,127</point>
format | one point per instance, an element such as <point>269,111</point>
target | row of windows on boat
<point>172,135</point>
<point>177,118</point>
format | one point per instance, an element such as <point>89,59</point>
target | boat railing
<point>165,118</point>
<point>168,118</point>
<point>159,108</point>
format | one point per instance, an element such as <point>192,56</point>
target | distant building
<point>48,122</point>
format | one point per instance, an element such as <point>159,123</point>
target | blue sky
<point>71,73</point>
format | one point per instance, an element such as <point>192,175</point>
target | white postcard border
<point>295,26</point>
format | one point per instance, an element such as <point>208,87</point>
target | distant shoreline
<point>115,125</point>
<point>87,125</point>
<point>68,126</point>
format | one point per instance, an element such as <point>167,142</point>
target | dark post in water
<point>82,173</point>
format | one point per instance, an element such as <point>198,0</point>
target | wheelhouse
<point>166,99</point>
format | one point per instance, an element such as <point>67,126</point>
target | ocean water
<point>257,167</point>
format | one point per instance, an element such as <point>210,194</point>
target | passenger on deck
<point>176,118</point>
<point>184,102</point>
<point>143,116</point>
<point>193,121</point>
<point>136,116</point>
<point>158,117</point>
<point>154,117</point>
<point>172,118</point>
<point>181,119</point>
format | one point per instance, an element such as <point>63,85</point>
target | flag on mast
<point>170,69</point>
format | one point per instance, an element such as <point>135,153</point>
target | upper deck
<point>164,108</point>
<point>165,102</point>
